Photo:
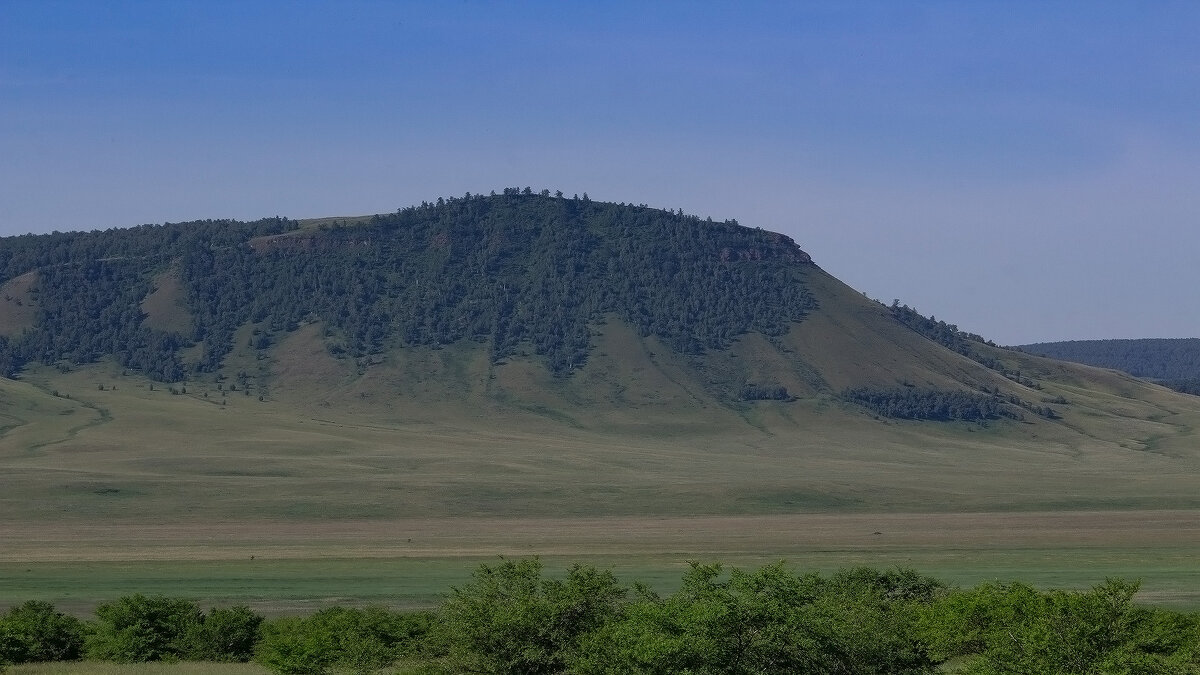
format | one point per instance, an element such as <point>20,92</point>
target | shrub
<point>35,632</point>
<point>1014,628</point>
<point>509,619</point>
<point>226,635</point>
<point>355,640</point>
<point>139,628</point>
<point>290,646</point>
<point>766,621</point>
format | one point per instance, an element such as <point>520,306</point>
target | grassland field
<point>328,492</point>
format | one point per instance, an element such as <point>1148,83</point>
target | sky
<point>1029,171</point>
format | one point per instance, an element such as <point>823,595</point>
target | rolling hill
<point>540,374</point>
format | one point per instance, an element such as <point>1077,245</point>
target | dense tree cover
<point>766,621</point>
<point>946,334</point>
<point>341,639</point>
<point>10,358</point>
<point>1175,362</point>
<point>35,631</point>
<point>90,286</point>
<point>1013,629</point>
<point>148,243</point>
<point>139,628</point>
<point>756,392</point>
<point>1186,386</point>
<point>912,403</point>
<point>506,270</point>
<point>513,619</point>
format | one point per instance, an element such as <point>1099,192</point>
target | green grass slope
<point>165,307</point>
<point>294,432</point>
<point>412,467</point>
<point>18,310</point>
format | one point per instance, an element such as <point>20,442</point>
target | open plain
<point>267,503</point>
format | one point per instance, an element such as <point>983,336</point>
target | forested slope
<point>1174,362</point>
<point>498,270</point>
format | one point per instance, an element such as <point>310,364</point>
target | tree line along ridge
<point>503,270</point>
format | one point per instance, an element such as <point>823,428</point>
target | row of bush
<point>512,618</point>
<point>134,628</point>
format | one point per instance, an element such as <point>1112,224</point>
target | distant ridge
<point>1172,361</point>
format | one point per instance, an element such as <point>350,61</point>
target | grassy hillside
<point>639,429</point>
<point>283,455</point>
<point>18,312</point>
<point>430,459</point>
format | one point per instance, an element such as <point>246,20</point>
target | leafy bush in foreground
<point>767,621</point>
<point>35,632</point>
<point>1014,628</point>
<point>510,619</point>
<point>228,634</point>
<point>353,640</point>
<point>139,628</point>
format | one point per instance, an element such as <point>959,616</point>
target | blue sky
<point>1027,170</point>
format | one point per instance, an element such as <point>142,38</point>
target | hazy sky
<point>1027,170</point>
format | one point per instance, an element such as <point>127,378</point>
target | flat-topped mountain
<point>531,353</point>
<point>530,281</point>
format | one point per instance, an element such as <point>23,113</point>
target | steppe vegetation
<point>511,618</point>
<point>257,502</point>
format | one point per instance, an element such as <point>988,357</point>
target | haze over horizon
<point>1024,170</point>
